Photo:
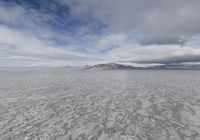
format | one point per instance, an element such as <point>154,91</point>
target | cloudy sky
<point>81,32</point>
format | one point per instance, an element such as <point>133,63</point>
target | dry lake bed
<point>68,104</point>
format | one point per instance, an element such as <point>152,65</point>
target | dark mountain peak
<point>111,66</point>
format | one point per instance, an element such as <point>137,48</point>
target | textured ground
<point>65,104</point>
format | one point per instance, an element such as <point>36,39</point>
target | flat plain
<point>68,104</point>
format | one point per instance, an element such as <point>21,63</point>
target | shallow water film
<point>63,104</point>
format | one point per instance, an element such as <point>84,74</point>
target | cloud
<point>161,21</point>
<point>27,39</point>
<point>28,51</point>
<point>68,32</point>
<point>163,54</point>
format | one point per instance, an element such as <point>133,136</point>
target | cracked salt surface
<point>64,104</point>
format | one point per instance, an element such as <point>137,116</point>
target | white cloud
<point>127,50</point>
<point>17,46</point>
<point>26,41</point>
<point>137,53</point>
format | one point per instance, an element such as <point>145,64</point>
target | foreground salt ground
<point>66,104</point>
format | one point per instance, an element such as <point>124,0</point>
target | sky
<point>87,32</point>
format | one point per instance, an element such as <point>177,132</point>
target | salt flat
<point>64,104</point>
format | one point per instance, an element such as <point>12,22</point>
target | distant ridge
<point>112,66</point>
<point>116,66</point>
<point>176,67</point>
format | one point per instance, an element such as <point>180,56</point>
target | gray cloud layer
<point>159,21</point>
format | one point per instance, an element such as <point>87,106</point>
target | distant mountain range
<point>116,66</point>
<point>112,66</point>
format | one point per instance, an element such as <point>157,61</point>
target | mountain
<point>176,67</point>
<point>112,66</point>
<point>116,66</point>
